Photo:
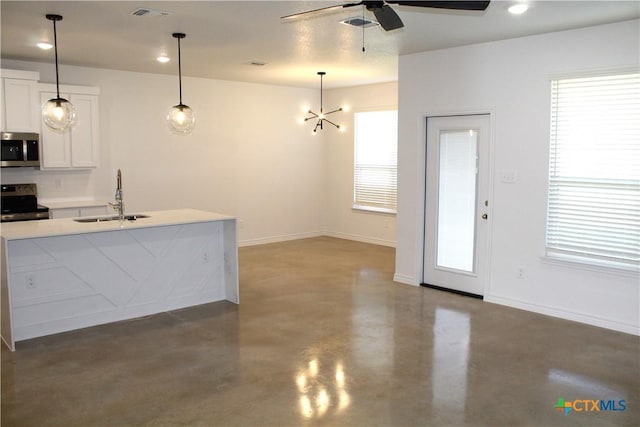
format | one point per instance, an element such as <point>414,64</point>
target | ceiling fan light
<point>181,119</point>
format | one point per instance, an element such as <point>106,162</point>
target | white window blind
<point>376,160</point>
<point>594,176</point>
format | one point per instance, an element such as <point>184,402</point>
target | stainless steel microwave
<point>19,149</point>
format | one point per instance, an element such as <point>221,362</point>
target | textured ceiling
<point>223,37</point>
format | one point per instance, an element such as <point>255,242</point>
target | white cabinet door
<point>79,147</point>
<point>85,135</point>
<point>20,104</point>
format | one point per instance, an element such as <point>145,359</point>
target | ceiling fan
<point>388,18</point>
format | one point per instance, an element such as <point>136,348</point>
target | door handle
<point>485,216</point>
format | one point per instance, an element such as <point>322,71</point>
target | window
<point>594,175</point>
<point>376,160</point>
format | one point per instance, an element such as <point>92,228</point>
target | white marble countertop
<point>67,226</point>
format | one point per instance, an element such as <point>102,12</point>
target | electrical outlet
<point>31,281</point>
<point>241,224</point>
<point>386,223</point>
<point>520,272</point>
<point>509,176</point>
<point>205,258</point>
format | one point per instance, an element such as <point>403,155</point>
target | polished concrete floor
<point>323,336</point>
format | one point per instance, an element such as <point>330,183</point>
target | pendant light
<point>322,116</point>
<point>180,118</point>
<point>57,113</point>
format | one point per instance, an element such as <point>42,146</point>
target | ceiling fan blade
<point>322,9</point>
<point>387,17</point>
<point>457,5</point>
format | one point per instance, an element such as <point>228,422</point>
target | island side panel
<point>63,283</point>
<point>5,302</point>
<point>232,291</point>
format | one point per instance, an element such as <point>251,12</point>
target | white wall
<point>511,78</point>
<point>341,220</point>
<point>247,155</point>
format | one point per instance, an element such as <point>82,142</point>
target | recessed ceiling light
<point>257,63</point>
<point>163,58</point>
<point>518,9</point>
<point>44,45</point>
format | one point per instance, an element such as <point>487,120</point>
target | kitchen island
<point>59,275</point>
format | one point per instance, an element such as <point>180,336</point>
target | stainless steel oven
<point>19,149</point>
<point>19,202</point>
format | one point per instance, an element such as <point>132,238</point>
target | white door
<point>456,203</point>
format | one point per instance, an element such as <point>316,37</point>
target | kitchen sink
<point>110,218</point>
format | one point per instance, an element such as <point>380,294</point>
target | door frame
<point>422,189</point>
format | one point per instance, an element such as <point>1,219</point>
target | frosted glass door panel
<point>457,199</point>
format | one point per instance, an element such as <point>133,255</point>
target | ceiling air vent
<point>360,22</point>
<point>142,11</point>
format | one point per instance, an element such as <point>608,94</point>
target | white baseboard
<point>568,315</point>
<point>276,239</point>
<point>363,239</point>
<point>287,237</point>
<point>407,280</point>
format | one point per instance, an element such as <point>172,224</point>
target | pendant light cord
<point>320,93</point>
<point>363,27</point>
<point>180,70</point>
<point>55,43</point>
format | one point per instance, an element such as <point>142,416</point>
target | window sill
<point>575,262</point>
<point>373,209</point>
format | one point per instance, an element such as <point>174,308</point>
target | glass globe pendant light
<point>180,118</point>
<point>58,113</point>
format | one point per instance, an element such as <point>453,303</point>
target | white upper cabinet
<point>20,102</point>
<point>22,97</point>
<point>78,147</point>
